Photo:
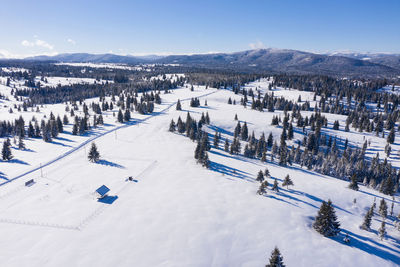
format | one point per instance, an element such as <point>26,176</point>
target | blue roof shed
<point>102,190</point>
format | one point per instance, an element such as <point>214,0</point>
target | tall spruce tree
<point>382,230</point>
<point>94,154</point>
<point>326,221</point>
<point>367,220</point>
<point>383,208</point>
<point>6,151</point>
<point>260,176</point>
<point>287,181</point>
<point>353,184</point>
<point>276,259</point>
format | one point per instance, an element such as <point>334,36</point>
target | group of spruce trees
<point>193,130</point>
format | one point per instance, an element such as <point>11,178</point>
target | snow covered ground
<point>177,213</point>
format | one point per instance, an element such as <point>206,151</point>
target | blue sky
<point>178,27</point>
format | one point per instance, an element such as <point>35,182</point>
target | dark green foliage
<point>353,184</point>
<point>172,126</point>
<point>6,151</point>
<point>120,117</point>
<point>276,259</point>
<point>260,176</point>
<point>367,220</point>
<point>178,105</point>
<point>383,208</point>
<point>326,221</point>
<point>275,186</point>
<point>94,154</point>
<point>287,181</point>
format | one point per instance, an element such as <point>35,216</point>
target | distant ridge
<point>273,60</point>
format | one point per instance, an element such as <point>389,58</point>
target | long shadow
<point>380,250</point>
<point>378,197</point>
<point>3,176</point>
<point>59,143</point>
<point>18,161</point>
<point>282,190</point>
<point>220,130</point>
<point>226,170</point>
<point>64,139</point>
<point>108,199</point>
<point>109,163</point>
<point>279,199</point>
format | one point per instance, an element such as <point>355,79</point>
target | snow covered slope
<point>177,213</point>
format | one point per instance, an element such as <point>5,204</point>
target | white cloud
<point>27,43</point>
<point>38,43</point>
<point>73,42</point>
<point>257,45</point>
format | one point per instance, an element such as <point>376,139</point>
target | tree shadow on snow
<point>18,161</point>
<point>363,243</point>
<point>226,170</point>
<point>109,163</point>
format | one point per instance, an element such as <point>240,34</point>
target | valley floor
<point>178,213</point>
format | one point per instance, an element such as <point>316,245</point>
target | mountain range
<point>271,60</point>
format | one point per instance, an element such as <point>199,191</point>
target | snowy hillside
<point>175,212</point>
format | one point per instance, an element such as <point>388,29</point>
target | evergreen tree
<point>262,189</point>
<point>391,136</point>
<point>178,105</point>
<point>383,208</point>
<point>21,144</point>
<point>226,146</point>
<point>127,115</point>
<point>94,154</point>
<point>172,126</point>
<point>6,151</point>
<point>382,230</point>
<point>180,125</point>
<point>326,221</point>
<point>120,116</point>
<point>266,173</point>
<point>244,133</point>
<point>275,186</point>
<point>353,184</point>
<point>367,220</point>
<point>276,259</point>
<point>260,176</point>
<point>287,181</point>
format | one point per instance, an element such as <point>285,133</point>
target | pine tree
<point>276,259</point>
<point>127,115</point>
<point>260,176</point>
<point>275,186</point>
<point>353,184</point>
<point>383,208</point>
<point>21,144</point>
<point>172,126</point>
<point>226,146</point>
<point>94,154</point>
<point>367,220</point>
<point>266,173</point>
<point>263,188</point>
<point>180,125</point>
<point>244,133</point>
<point>178,105</point>
<point>382,230</point>
<point>326,221</point>
<point>6,151</point>
<point>120,116</point>
<point>391,136</point>
<point>287,181</point>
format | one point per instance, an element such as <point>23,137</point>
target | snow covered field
<point>178,213</point>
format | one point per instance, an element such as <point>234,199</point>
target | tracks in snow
<point>75,149</point>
